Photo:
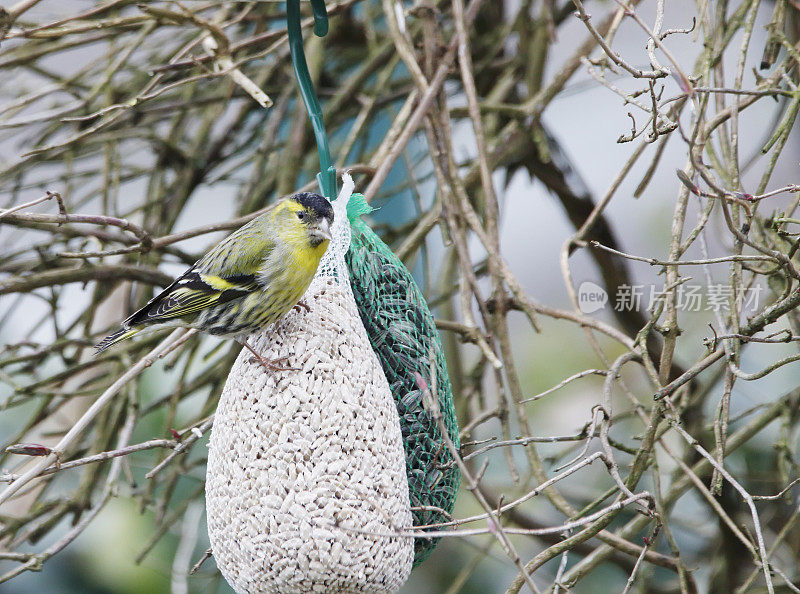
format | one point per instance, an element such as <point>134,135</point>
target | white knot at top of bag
<point>332,268</point>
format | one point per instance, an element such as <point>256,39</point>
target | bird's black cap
<point>317,204</point>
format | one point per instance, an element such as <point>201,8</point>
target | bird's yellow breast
<point>304,261</point>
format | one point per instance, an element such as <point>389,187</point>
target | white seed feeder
<point>306,480</point>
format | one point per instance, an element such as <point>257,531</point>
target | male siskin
<point>249,280</point>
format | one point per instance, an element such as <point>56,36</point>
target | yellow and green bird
<point>247,281</point>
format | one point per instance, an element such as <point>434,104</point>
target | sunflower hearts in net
<point>306,481</point>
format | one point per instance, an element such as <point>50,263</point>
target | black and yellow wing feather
<point>229,271</point>
<point>191,293</point>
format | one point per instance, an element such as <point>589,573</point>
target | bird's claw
<point>274,364</point>
<point>269,364</point>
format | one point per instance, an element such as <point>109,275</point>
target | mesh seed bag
<point>403,334</point>
<point>306,481</point>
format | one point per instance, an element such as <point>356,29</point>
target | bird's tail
<point>114,338</point>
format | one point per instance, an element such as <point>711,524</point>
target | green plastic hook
<point>326,178</point>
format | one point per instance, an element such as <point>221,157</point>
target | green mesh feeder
<point>404,337</point>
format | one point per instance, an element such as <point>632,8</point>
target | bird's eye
<point>301,215</point>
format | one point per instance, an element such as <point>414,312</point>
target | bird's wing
<point>192,292</point>
<point>230,270</point>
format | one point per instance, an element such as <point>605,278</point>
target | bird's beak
<point>323,230</point>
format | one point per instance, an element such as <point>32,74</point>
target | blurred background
<point>118,108</point>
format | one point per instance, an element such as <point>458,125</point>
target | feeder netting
<point>306,484</point>
<point>403,334</point>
